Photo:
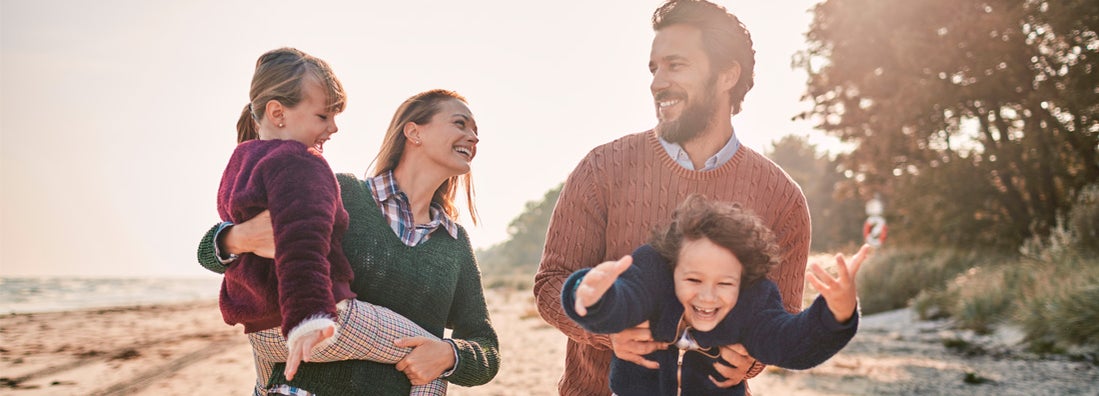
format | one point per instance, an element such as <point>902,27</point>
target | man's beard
<point>694,119</point>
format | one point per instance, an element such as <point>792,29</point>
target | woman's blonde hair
<point>280,75</point>
<point>420,108</point>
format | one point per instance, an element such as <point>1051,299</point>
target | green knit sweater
<point>436,284</point>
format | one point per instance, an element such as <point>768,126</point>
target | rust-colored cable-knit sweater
<point>609,206</point>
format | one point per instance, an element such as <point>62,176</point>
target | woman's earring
<point>281,125</point>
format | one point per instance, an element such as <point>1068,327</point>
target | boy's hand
<point>597,281</point>
<point>301,348</point>
<point>840,292</point>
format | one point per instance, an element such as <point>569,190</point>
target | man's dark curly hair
<point>724,37</point>
<point>725,224</point>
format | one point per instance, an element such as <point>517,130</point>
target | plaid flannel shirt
<point>398,211</point>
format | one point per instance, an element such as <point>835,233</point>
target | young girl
<point>408,253</point>
<point>701,284</point>
<point>292,306</point>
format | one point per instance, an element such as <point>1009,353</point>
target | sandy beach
<point>186,349</point>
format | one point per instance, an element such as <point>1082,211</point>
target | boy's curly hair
<point>725,224</point>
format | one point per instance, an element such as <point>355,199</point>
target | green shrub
<point>1051,290</point>
<point>1083,221</point>
<point>895,277</point>
<point>983,300</point>
<point>880,280</point>
<point>1060,308</point>
<point>932,304</point>
<point>972,377</point>
<point>1077,314</point>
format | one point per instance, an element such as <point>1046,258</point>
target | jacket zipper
<point>679,374</point>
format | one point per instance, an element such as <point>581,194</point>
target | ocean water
<point>26,295</point>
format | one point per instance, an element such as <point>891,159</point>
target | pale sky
<point>118,116</point>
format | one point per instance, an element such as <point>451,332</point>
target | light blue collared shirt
<point>722,156</point>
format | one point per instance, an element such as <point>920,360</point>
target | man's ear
<point>728,78</point>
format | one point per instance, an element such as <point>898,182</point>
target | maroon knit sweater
<point>610,205</point>
<point>310,272</point>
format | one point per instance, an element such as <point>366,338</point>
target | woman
<point>407,253</point>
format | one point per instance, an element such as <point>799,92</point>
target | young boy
<point>701,284</point>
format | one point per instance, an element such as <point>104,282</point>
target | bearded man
<point>702,65</point>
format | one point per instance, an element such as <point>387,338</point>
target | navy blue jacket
<point>646,292</point>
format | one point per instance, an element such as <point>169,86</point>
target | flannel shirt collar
<point>386,189</point>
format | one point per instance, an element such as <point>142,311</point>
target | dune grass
<point>1053,297</point>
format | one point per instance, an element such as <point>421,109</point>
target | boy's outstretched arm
<point>840,292</point>
<point>597,281</point>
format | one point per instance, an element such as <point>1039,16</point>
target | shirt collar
<point>722,156</point>
<point>439,218</point>
<point>386,188</point>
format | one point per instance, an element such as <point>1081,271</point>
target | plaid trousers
<point>365,332</point>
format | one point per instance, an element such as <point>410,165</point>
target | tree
<point>977,118</point>
<point>836,212</point>
<point>522,251</point>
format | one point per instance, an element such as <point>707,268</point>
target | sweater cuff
<point>754,370</point>
<point>224,259</point>
<point>314,323</point>
<point>568,295</point>
<point>828,320</point>
<point>453,347</point>
<point>208,251</point>
<point>476,365</point>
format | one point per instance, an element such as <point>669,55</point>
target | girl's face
<point>707,282</point>
<point>450,138</point>
<point>310,122</point>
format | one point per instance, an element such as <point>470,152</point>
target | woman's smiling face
<point>450,139</point>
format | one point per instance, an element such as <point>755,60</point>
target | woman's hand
<point>429,359</point>
<point>597,281</point>
<point>840,292</point>
<point>252,236</point>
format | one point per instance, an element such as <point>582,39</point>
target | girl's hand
<point>301,348</point>
<point>597,281</point>
<point>840,292</point>
<point>429,359</point>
